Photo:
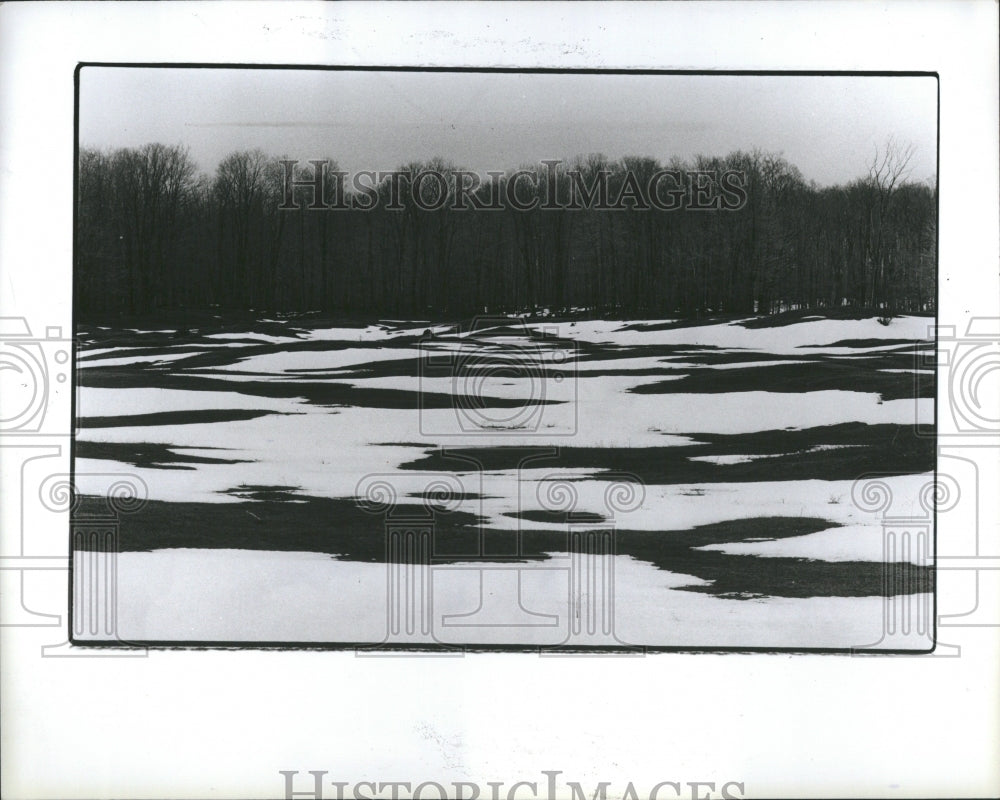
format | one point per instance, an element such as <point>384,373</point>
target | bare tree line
<point>152,232</point>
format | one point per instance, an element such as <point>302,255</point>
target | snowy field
<point>580,482</point>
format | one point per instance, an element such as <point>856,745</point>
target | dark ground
<point>278,518</point>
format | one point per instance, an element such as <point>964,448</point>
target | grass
<point>191,417</point>
<point>281,518</point>
<point>278,519</point>
<point>857,449</point>
<point>322,393</point>
<point>145,454</point>
<point>818,375</point>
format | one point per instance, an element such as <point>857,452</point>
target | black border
<point>399,649</point>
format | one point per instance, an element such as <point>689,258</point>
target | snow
<point>325,452</point>
<point>733,365</point>
<point>679,507</point>
<point>740,459</point>
<point>298,360</point>
<point>850,543</point>
<point>128,360</point>
<point>253,336</point>
<point>308,597</point>
<point>101,402</point>
<point>366,334</point>
<point>779,339</point>
<point>909,371</point>
<point>746,459</point>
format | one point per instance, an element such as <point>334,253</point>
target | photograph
<point>499,401</point>
<point>504,358</point>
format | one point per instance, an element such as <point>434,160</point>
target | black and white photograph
<point>505,358</point>
<point>499,401</point>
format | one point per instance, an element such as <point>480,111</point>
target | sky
<point>828,126</point>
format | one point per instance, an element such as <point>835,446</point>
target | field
<point>510,481</point>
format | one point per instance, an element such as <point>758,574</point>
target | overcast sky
<point>827,126</point>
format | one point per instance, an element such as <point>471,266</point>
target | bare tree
<point>248,192</point>
<point>150,186</point>
<point>146,226</point>
<point>889,168</point>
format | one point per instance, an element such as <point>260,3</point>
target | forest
<point>154,232</point>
